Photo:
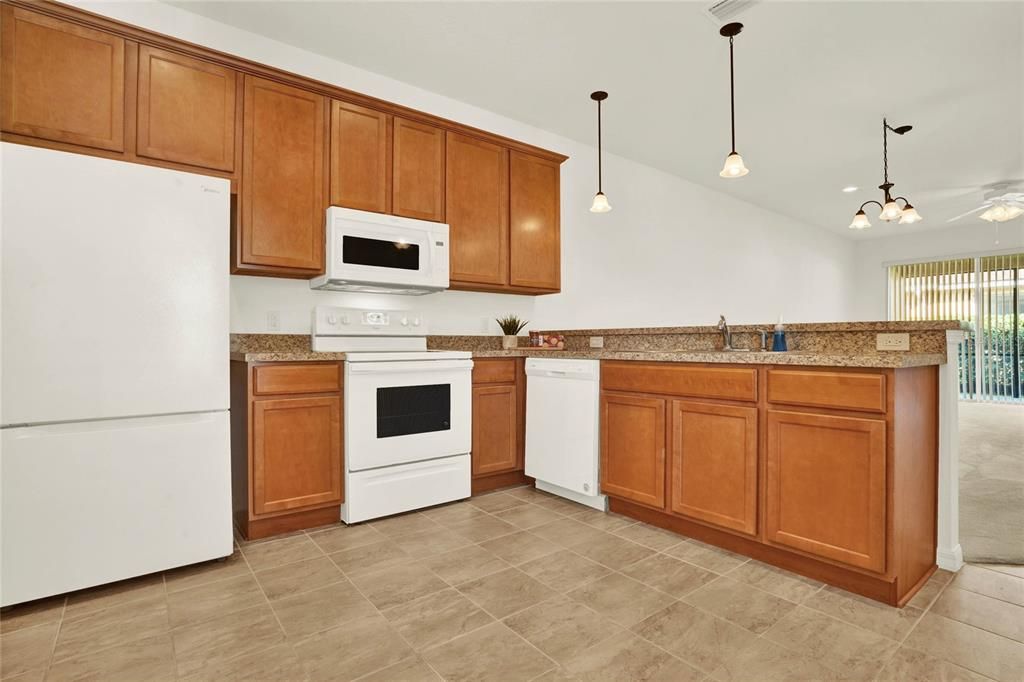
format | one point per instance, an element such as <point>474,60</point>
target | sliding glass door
<point>984,291</point>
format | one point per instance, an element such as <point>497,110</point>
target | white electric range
<point>408,412</point>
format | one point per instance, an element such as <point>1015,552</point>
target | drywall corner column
<point>949,555</point>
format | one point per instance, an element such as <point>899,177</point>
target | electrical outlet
<point>892,341</point>
<point>273,320</point>
<point>597,342</point>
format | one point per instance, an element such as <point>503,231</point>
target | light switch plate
<point>597,342</point>
<point>273,320</point>
<point>892,341</point>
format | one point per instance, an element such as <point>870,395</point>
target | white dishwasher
<point>562,440</point>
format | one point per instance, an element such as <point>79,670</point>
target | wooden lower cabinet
<point>633,448</point>
<point>714,464</point>
<point>296,452</point>
<point>286,447</point>
<point>495,429</point>
<point>499,437</point>
<point>805,475</point>
<point>825,486</point>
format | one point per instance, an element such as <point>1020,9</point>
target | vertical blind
<point>986,292</point>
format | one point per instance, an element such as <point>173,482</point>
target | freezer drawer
<point>89,503</point>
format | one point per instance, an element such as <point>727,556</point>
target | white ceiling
<point>813,80</point>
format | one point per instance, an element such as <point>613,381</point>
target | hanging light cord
<point>732,97</point>
<point>599,147</point>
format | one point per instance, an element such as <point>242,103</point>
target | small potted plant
<point>510,325</point>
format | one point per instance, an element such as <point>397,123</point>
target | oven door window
<point>406,410</point>
<point>380,253</point>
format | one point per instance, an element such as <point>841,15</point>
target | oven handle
<point>408,366</point>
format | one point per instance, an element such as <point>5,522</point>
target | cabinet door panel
<point>283,176</point>
<point>633,448</point>
<point>186,110</point>
<point>476,207</point>
<point>360,158</point>
<point>495,431</point>
<point>535,212</point>
<point>418,175</point>
<point>62,81</point>
<point>714,464</point>
<point>826,486</point>
<point>296,453</point>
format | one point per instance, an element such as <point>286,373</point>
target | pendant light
<point>890,208</point>
<point>734,167</point>
<point>600,204</point>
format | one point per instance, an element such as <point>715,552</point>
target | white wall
<point>874,255</point>
<point>671,252</point>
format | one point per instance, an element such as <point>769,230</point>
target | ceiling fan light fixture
<point>1000,213</point>
<point>860,221</point>
<point>600,204</point>
<point>734,166</point>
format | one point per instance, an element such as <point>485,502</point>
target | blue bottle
<point>779,338</point>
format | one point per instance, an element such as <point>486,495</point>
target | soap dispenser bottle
<point>779,339</point>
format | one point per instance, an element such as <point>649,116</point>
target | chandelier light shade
<point>860,221</point>
<point>734,166</point>
<point>889,207</point>
<point>600,204</point>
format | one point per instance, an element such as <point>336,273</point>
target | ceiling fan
<point>1000,204</point>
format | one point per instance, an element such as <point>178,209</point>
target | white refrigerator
<point>114,429</point>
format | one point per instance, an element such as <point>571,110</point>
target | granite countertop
<point>829,327</point>
<point>736,358</point>
<point>895,359</point>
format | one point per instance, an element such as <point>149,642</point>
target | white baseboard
<point>599,502</point>
<point>950,560</point>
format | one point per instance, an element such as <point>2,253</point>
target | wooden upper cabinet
<point>296,453</point>
<point>418,171</point>
<point>360,158</point>
<point>62,81</point>
<point>476,209</point>
<point>282,197</point>
<point>186,110</point>
<point>633,448</point>
<point>714,464</point>
<point>826,486</point>
<point>534,210</point>
<point>495,429</point>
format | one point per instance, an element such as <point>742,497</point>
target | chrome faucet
<point>723,327</point>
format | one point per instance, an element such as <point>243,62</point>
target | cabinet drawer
<point>304,378</point>
<point>494,371</point>
<point>844,390</point>
<point>727,383</point>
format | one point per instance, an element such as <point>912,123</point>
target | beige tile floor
<point>515,585</point>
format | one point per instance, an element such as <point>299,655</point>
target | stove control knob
<point>344,319</point>
<point>405,321</point>
<point>415,321</point>
<point>331,319</point>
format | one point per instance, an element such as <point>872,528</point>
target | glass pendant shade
<point>909,215</point>
<point>860,221</point>
<point>891,211</point>
<point>600,204</point>
<point>734,167</point>
<point>1000,213</point>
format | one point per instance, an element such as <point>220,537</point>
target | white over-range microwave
<point>377,253</point>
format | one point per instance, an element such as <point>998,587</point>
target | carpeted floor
<point>992,482</point>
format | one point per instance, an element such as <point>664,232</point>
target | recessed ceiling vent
<point>724,11</point>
